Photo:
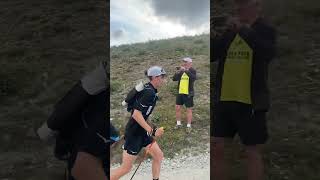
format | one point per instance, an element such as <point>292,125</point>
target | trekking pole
<point>145,155</point>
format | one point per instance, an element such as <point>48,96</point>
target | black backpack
<point>131,97</point>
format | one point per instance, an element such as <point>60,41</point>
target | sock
<point>178,122</point>
<point>188,125</point>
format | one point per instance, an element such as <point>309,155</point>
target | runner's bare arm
<point>137,115</point>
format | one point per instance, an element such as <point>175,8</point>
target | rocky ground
<point>188,165</point>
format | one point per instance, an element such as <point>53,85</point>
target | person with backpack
<point>81,129</point>
<point>241,93</point>
<point>138,132</point>
<point>185,75</point>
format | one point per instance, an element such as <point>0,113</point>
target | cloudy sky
<point>142,20</point>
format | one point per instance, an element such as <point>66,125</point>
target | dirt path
<point>183,167</point>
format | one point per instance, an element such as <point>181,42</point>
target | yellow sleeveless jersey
<point>236,80</point>
<point>184,84</point>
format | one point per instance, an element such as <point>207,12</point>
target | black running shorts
<point>232,118</point>
<point>134,144</point>
<point>183,99</point>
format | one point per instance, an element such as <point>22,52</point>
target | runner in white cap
<point>139,133</point>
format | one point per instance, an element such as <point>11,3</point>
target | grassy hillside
<point>46,46</point>
<point>293,151</point>
<point>128,63</point>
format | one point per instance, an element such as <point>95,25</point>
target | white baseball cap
<point>156,71</point>
<point>187,59</point>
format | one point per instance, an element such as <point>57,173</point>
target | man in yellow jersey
<point>241,93</point>
<point>185,75</point>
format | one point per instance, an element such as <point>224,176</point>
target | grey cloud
<point>191,13</point>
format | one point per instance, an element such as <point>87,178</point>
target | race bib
<point>184,84</point>
<point>236,81</point>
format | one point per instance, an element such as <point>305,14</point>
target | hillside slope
<point>46,46</point>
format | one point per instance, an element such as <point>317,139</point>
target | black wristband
<point>154,131</point>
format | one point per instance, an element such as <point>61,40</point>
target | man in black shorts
<point>241,95</point>
<point>139,133</point>
<point>186,75</point>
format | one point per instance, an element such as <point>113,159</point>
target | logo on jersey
<point>149,110</point>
